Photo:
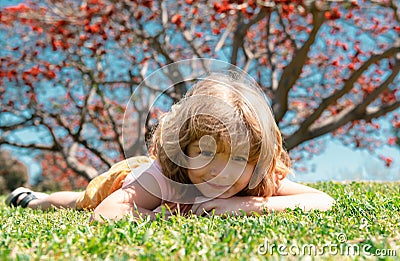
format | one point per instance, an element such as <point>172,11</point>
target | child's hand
<point>230,206</point>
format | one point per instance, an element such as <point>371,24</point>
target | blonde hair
<point>186,122</point>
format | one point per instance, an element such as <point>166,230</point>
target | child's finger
<point>194,208</point>
<point>198,205</point>
<point>201,199</point>
<point>198,209</point>
<point>201,208</point>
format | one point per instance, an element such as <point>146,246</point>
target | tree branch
<point>77,139</point>
<point>350,115</point>
<point>72,162</point>
<point>224,36</point>
<point>293,70</point>
<point>113,123</point>
<point>17,126</point>
<point>377,112</point>
<point>241,30</point>
<point>391,5</point>
<point>28,146</point>
<point>348,85</point>
<point>84,170</point>
<point>337,121</point>
<point>85,110</point>
<point>282,23</point>
<point>355,112</point>
<point>377,91</point>
<point>271,56</point>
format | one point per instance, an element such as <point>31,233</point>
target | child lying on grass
<point>218,149</point>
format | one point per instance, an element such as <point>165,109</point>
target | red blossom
<point>94,2</point>
<point>148,3</point>
<point>351,66</point>
<point>37,29</point>
<point>50,74</point>
<point>392,141</point>
<point>349,15</point>
<point>328,15</point>
<point>11,74</point>
<point>388,161</point>
<point>216,31</point>
<point>176,19</point>
<point>20,8</point>
<point>206,48</point>
<point>222,7</point>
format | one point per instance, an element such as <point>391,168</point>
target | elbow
<point>95,219</point>
<point>326,202</point>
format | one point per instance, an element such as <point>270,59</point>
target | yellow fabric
<point>103,185</point>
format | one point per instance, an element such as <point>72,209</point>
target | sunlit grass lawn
<point>365,221</point>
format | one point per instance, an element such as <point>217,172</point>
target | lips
<point>218,186</point>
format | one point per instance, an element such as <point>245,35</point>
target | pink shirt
<point>168,190</point>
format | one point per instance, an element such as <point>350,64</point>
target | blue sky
<point>339,162</point>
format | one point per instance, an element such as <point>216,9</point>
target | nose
<point>218,167</point>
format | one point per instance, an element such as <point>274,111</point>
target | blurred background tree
<point>69,67</point>
<point>13,173</point>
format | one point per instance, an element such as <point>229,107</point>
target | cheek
<point>197,164</point>
<point>194,175</point>
<point>246,176</point>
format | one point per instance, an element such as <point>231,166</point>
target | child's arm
<point>289,195</point>
<point>132,200</point>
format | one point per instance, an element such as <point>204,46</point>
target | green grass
<point>366,217</point>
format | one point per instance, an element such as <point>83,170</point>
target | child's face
<point>224,176</point>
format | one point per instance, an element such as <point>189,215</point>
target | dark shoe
<point>12,199</point>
